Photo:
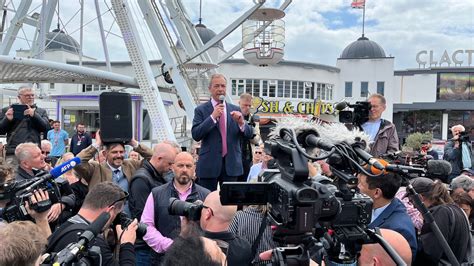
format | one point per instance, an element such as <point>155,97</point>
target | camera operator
<point>103,197</point>
<point>21,243</point>
<point>458,151</point>
<point>215,221</point>
<point>451,220</point>
<point>33,122</point>
<point>163,227</point>
<point>388,212</point>
<point>382,132</point>
<point>41,218</point>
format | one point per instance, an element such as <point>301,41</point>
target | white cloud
<point>401,27</point>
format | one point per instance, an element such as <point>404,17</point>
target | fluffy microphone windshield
<point>331,132</point>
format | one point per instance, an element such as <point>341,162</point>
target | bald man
<point>149,176</point>
<point>374,254</point>
<point>215,221</point>
<point>163,227</point>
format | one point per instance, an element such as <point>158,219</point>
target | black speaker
<point>115,117</point>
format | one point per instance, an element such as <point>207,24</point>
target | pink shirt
<point>153,237</point>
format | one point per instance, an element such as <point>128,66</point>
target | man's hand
<point>29,111</point>
<point>9,114</point>
<point>129,235</point>
<point>218,111</point>
<point>55,211</point>
<point>238,117</point>
<point>37,196</point>
<point>133,142</point>
<point>98,139</point>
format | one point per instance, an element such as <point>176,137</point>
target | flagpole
<point>363,21</point>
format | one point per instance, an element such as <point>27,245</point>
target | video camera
<point>464,137</point>
<point>20,191</point>
<point>302,208</point>
<point>358,116</point>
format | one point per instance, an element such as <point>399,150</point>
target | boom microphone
<point>341,106</point>
<point>438,169</point>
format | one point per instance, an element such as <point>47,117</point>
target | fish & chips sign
<point>315,108</point>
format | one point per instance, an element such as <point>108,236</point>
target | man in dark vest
<point>162,227</point>
<point>147,177</point>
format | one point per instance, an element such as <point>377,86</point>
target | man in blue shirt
<point>59,140</point>
<point>387,211</point>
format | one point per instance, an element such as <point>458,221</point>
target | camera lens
<point>182,208</point>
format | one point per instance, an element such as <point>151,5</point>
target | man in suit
<point>220,127</point>
<point>387,211</point>
<point>115,168</point>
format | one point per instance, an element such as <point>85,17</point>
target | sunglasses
<point>45,152</point>
<point>124,198</point>
<point>258,152</point>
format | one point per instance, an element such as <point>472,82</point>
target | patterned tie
<point>223,133</point>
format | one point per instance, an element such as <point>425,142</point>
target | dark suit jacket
<point>395,217</point>
<point>204,129</point>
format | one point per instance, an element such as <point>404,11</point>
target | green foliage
<point>413,141</point>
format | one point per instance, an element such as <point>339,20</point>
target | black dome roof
<point>61,41</point>
<point>363,48</point>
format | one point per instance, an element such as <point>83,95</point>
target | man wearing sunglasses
<point>23,122</point>
<point>104,197</point>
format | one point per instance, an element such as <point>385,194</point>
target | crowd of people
<point>115,183</point>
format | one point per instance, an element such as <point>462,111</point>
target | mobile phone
<point>19,111</point>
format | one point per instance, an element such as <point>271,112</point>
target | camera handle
<point>428,218</point>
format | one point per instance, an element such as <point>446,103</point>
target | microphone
<point>54,173</point>
<point>438,169</point>
<point>64,167</point>
<point>341,106</point>
<point>358,147</point>
<point>68,255</point>
<point>221,99</point>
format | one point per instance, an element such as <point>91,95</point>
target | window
<point>287,89</point>
<point>51,86</point>
<point>380,87</point>
<point>301,89</point>
<point>272,88</point>
<point>309,90</point>
<point>234,87</point>
<point>256,88</point>
<point>348,89</point>
<point>456,86</point>
<point>294,89</point>
<point>264,88</point>
<point>364,89</point>
<point>280,88</point>
<point>86,87</point>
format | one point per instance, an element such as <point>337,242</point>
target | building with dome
<point>420,99</point>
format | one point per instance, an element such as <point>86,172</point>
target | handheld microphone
<point>68,255</point>
<point>221,99</point>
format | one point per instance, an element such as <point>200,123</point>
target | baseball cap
<point>426,141</point>
<point>422,184</point>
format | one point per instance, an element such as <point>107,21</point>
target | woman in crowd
<point>450,219</point>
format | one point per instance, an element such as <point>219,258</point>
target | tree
<point>413,141</point>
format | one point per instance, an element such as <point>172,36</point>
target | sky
<point>317,31</point>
